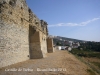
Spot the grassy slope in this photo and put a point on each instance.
(90, 54)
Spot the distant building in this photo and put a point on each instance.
(70, 43)
(60, 47)
(75, 45)
(68, 48)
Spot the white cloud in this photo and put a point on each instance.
(74, 24)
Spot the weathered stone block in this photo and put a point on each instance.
(50, 45)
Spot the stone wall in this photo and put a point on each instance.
(43, 44)
(14, 29)
(38, 47)
(35, 46)
(50, 48)
(22, 34)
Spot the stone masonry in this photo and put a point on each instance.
(50, 48)
(22, 35)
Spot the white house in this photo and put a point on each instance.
(68, 48)
(60, 47)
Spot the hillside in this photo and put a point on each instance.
(62, 39)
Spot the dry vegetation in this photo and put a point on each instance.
(90, 58)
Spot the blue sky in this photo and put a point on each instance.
(78, 19)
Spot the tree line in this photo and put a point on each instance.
(95, 46)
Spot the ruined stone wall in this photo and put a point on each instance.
(33, 20)
(35, 45)
(38, 45)
(38, 49)
(43, 43)
(22, 36)
(50, 48)
(14, 29)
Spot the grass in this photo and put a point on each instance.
(88, 53)
(91, 72)
(88, 64)
(97, 64)
(85, 53)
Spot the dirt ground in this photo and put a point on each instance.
(57, 63)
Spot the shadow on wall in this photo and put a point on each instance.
(34, 44)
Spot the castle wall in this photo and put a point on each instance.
(50, 45)
(43, 43)
(21, 34)
(38, 47)
(14, 46)
(14, 29)
(35, 45)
